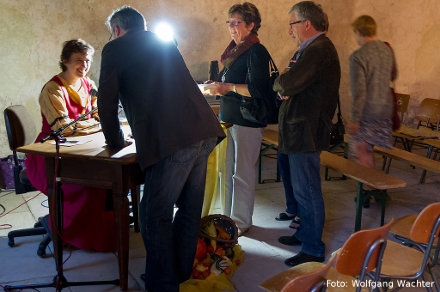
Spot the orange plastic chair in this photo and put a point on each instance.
(360, 255)
(305, 277)
(429, 113)
(406, 263)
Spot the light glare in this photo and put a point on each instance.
(164, 32)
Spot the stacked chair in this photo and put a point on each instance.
(360, 257)
(419, 249)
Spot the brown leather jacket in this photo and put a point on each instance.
(313, 87)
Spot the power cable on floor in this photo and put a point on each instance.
(8, 193)
(42, 204)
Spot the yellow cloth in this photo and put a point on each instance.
(79, 97)
(213, 283)
(215, 180)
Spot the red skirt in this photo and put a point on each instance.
(87, 224)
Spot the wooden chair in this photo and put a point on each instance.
(429, 113)
(406, 263)
(360, 256)
(402, 104)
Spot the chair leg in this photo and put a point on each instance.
(427, 287)
(387, 169)
(428, 155)
(383, 196)
(43, 245)
(437, 287)
(24, 232)
(359, 201)
(384, 162)
(326, 174)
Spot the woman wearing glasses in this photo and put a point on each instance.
(88, 222)
(235, 84)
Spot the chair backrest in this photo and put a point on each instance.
(354, 251)
(423, 226)
(19, 126)
(429, 111)
(402, 102)
(308, 281)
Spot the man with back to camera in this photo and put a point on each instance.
(175, 131)
(310, 90)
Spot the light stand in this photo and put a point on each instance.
(59, 281)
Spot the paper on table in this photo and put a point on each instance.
(205, 88)
(72, 141)
(126, 151)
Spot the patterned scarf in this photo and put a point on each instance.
(233, 51)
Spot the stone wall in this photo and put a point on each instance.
(32, 33)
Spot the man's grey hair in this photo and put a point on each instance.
(309, 10)
(127, 18)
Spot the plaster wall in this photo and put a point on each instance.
(32, 33)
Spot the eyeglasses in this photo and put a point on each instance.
(233, 22)
(298, 21)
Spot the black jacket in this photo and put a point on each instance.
(259, 83)
(162, 103)
(313, 86)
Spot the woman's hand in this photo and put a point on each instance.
(220, 88)
(353, 127)
(283, 97)
(128, 142)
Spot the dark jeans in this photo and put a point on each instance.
(284, 168)
(306, 184)
(170, 241)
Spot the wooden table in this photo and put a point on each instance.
(92, 164)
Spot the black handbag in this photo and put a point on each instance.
(337, 130)
(261, 110)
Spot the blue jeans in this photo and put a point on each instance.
(306, 184)
(284, 168)
(171, 241)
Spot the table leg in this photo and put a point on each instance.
(122, 227)
(135, 201)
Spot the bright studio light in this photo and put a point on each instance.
(164, 31)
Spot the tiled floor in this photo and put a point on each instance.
(263, 255)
